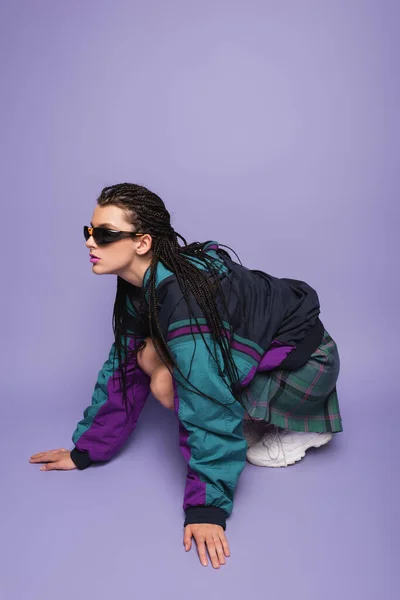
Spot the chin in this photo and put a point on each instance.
(98, 270)
(95, 269)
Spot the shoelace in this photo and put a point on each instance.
(273, 443)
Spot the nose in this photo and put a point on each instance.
(90, 243)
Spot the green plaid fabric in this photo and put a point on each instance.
(302, 400)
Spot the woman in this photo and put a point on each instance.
(240, 356)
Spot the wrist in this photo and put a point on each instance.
(81, 459)
(206, 514)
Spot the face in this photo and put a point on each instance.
(129, 257)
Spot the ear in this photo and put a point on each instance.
(145, 244)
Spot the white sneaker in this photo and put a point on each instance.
(280, 448)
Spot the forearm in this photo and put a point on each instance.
(108, 422)
(112, 423)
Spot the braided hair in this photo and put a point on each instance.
(148, 214)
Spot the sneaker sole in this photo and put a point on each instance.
(323, 439)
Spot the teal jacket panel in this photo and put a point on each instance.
(210, 429)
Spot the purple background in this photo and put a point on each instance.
(272, 127)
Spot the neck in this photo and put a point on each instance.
(135, 273)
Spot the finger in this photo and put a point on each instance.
(51, 466)
(219, 550)
(48, 452)
(39, 459)
(201, 548)
(213, 553)
(45, 458)
(187, 538)
(225, 544)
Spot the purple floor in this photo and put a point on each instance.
(321, 528)
(271, 127)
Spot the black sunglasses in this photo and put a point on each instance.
(101, 235)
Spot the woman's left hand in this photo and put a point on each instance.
(56, 459)
(212, 536)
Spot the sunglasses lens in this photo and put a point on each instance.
(101, 235)
(96, 233)
(107, 237)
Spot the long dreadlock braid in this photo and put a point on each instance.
(148, 214)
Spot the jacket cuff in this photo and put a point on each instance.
(205, 514)
(81, 458)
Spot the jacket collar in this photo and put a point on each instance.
(163, 272)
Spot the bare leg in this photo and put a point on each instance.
(161, 379)
(161, 386)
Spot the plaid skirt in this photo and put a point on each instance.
(301, 400)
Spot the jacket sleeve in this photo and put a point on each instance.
(106, 426)
(210, 434)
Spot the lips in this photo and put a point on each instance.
(93, 256)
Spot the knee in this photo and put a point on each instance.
(148, 359)
(161, 386)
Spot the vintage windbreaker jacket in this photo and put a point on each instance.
(275, 325)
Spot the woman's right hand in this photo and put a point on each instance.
(55, 459)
